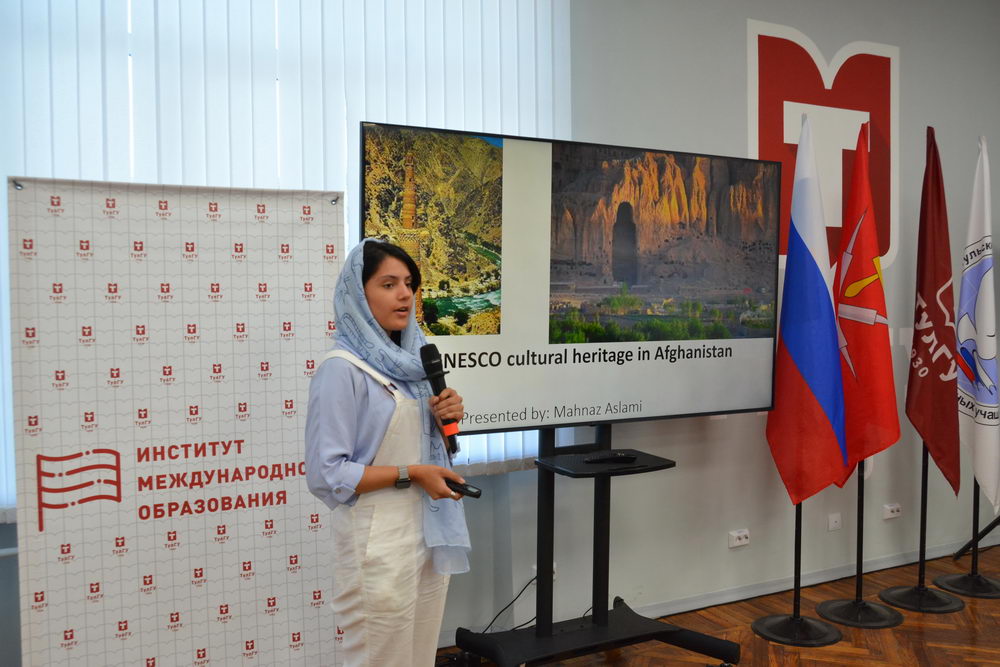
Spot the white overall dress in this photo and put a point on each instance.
(387, 601)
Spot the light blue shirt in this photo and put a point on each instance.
(349, 412)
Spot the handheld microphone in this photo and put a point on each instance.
(430, 357)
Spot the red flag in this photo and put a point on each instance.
(871, 422)
(932, 389)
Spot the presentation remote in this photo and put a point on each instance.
(464, 489)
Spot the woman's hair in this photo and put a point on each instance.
(376, 251)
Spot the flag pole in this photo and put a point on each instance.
(794, 629)
(860, 613)
(976, 538)
(919, 597)
(972, 584)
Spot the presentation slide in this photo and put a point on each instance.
(569, 283)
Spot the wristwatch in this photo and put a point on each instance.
(403, 480)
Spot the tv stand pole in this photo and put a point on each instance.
(606, 629)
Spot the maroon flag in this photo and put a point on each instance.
(932, 388)
(67, 481)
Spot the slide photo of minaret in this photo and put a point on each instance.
(653, 245)
(438, 195)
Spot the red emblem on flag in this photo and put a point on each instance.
(32, 420)
(310, 364)
(272, 602)
(223, 609)
(88, 416)
(314, 518)
(289, 403)
(67, 634)
(296, 636)
(330, 248)
(214, 288)
(307, 287)
(65, 549)
(220, 529)
(268, 524)
(249, 644)
(317, 595)
(241, 407)
(29, 332)
(175, 616)
(67, 481)
(39, 596)
(265, 366)
(201, 653)
(119, 542)
(142, 413)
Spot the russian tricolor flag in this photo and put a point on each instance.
(806, 428)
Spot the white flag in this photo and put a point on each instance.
(978, 400)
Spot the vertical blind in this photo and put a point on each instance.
(263, 94)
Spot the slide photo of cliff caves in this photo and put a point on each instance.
(651, 245)
(438, 195)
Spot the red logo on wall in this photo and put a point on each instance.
(150, 662)
(285, 248)
(119, 542)
(95, 587)
(122, 626)
(110, 203)
(29, 332)
(57, 288)
(238, 248)
(199, 572)
(201, 653)
(317, 595)
(164, 288)
(223, 609)
(216, 368)
(261, 208)
(293, 559)
(215, 288)
(307, 287)
(213, 207)
(307, 210)
(147, 580)
(249, 644)
(27, 244)
(189, 246)
(39, 596)
(241, 327)
(193, 410)
(296, 636)
(60, 375)
(240, 407)
(32, 420)
(137, 246)
(171, 536)
(792, 78)
(164, 205)
(220, 529)
(115, 372)
(272, 602)
(67, 634)
(168, 371)
(88, 416)
(65, 549)
(310, 364)
(314, 518)
(140, 330)
(175, 617)
(247, 566)
(84, 244)
(265, 366)
(286, 326)
(55, 200)
(268, 524)
(86, 331)
(192, 328)
(261, 288)
(289, 403)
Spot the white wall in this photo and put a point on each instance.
(672, 74)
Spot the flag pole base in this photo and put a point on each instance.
(922, 599)
(859, 613)
(971, 585)
(796, 630)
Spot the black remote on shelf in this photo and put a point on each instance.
(610, 456)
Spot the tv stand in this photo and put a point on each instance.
(606, 629)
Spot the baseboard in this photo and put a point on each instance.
(670, 607)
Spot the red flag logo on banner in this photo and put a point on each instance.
(68, 481)
(932, 388)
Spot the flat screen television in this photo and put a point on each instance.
(570, 283)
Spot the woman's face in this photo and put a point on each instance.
(389, 295)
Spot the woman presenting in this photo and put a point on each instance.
(376, 456)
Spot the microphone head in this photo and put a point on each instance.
(430, 358)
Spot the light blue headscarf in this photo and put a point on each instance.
(445, 530)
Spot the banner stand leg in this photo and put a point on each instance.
(972, 584)
(976, 538)
(919, 597)
(795, 629)
(860, 613)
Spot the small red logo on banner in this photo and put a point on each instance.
(241, 327)
(261, 288)
(261, 208)
(286, 248)
(215, 288)
(310, 364)
(293, 559)
(247, 566)
(140, 330)
(223, 609)
(27, 244)
(110, 203)
(55, 200)
(193, 410)
(119, 542)
(238, 248)
(249, 644)
(68, 635)
(65, 549)
(199, 572)
(213, 207)
(289, 403)
(216, 368)
(88, 416)
(137, 246)
(268, 524)
(307, 210)
(60, 375)
(265, 366)
(29, 332)
(307, 287)
(220, 529)
(164, 205)
(168, 371)
(115, 372)
(175, 616)
(171, 536)
(241, 407)
(272, 602)
(296, 636)
(112, 288)
(86, 331)
(317, 595)
(286, 326)
(192, 328)
(39, 596)
(189, 246)
(95, 587)
(57, 288)
(32, 420)
(84, 244)
(314, 518)
(147, 580)
(164, 288)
